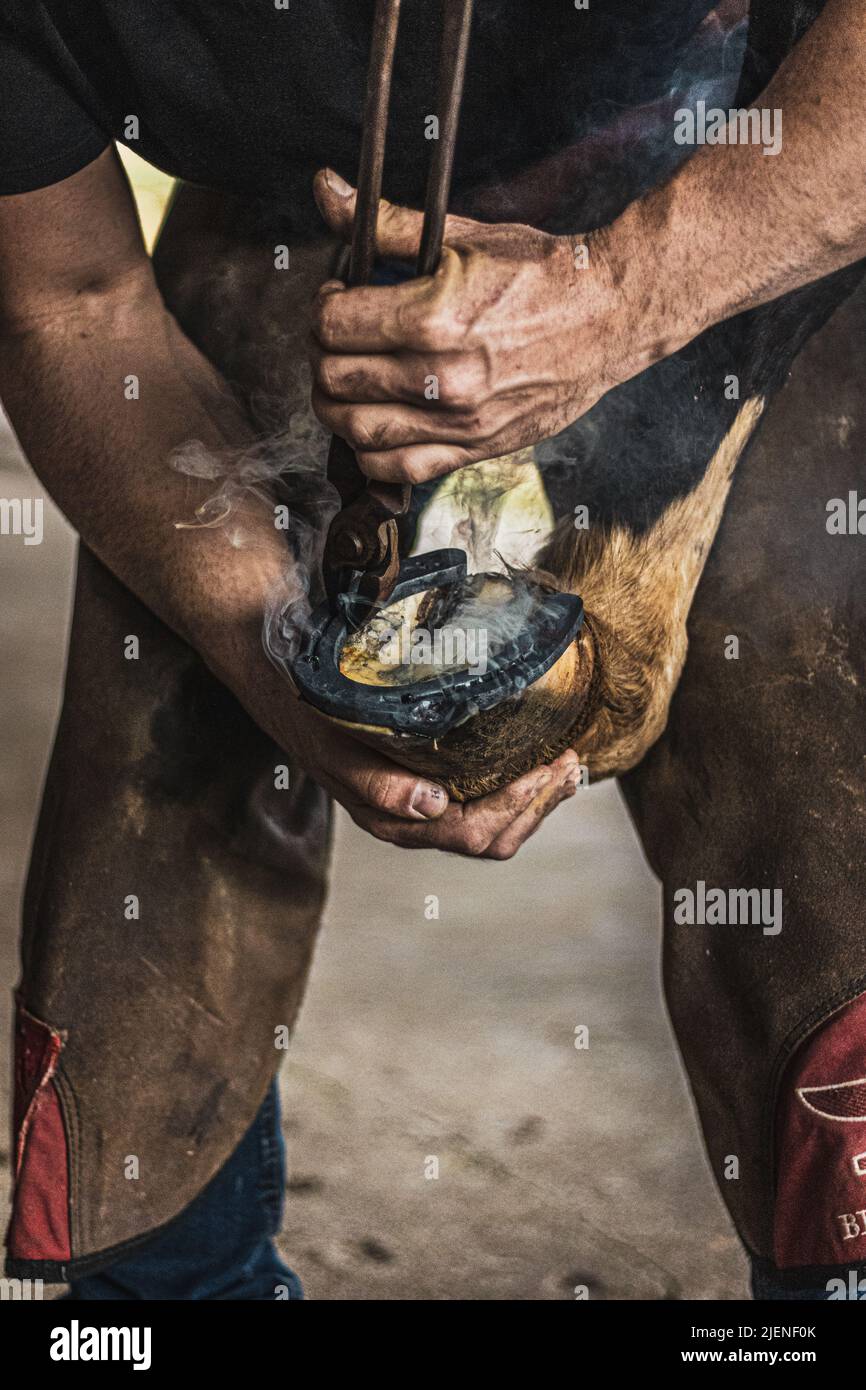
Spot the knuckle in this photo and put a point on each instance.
(323, 320)
(412, 469)
(371, 434)
(424, 339)
(457, 389)
(323, 406)
(502, 853)
(361, 433)
(317, 311)
(448, 390)
(432, 327)
(475, 841)
(327, 376)
(465, 402)
(375, 467)
(391, 466)
(441, 329)
(380, 790)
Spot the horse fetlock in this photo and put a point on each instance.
(637, 591)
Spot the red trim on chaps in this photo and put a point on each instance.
(39, 1228)
(820, 1215)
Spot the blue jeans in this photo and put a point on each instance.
(222, 1246)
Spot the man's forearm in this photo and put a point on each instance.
(105, 458)
(736, 228)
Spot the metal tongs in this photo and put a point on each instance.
(361, 561)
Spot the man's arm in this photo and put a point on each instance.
(736, 228)
(523, 340)
(80, 312)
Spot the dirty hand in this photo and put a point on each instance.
(509, 342)
(400, 807)
(406, 809)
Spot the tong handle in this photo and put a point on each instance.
(376, 103)
(343, 471)
(452, 71)
(366, 528)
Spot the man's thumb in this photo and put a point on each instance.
(398, 230)
(336, 202)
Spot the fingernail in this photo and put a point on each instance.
(429, 800)
(339, 186)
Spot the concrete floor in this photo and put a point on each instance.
(450, 1039)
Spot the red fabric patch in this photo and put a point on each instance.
(39, 1228)
(820, 1215)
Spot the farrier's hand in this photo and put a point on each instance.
(406, 809)
(517, 339)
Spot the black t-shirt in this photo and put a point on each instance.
(252, 98)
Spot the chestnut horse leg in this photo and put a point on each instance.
(637, 590)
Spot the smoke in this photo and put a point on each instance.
(644, 68)
(284, 467)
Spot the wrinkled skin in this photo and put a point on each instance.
(515, 333)
(509, 325)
